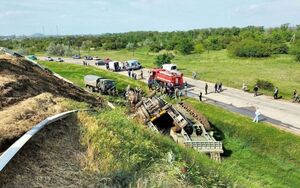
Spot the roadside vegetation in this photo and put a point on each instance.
(256, 155)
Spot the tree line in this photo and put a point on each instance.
(248, 41)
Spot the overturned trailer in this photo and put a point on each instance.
(180, 122)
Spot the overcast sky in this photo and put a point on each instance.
(102, 16)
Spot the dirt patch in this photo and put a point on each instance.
(30, 80)
(18, 119)
(51, 159)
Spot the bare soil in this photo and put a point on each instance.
(20, 79)
(52, 158)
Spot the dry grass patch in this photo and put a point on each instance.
(18, 119)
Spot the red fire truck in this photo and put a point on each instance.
(165, 76)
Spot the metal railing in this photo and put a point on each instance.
(15, 147)
(205, 146)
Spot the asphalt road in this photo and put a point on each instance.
(283, 114)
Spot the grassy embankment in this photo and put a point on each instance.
(281, 70)
(257, 154)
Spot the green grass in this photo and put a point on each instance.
(76, 73)
(261, 155)
(281, 70)
(124, 151)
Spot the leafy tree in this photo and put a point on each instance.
(295, 50)
(163, 59)
(249, 48)
(87, 45)
(199, 48)
(185, 46)
(155, 47)
(131, 47)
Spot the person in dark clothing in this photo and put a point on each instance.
(255, 89)
(216, 87)
(107, 66)
(200, 96)
(129, 73)
(206, 88)
(220, 87)
(276, 93)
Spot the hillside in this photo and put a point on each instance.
(29, 94)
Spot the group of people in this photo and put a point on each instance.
(85, 63)
(218, 87)
(134, 75)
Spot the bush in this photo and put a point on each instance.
(249, 48)
(163, 59)
(185, 47)
(199, 48)
(264, 84)
(279, 48)
(295, 50)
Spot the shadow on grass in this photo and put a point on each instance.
(220, 136)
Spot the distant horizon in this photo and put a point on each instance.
(96, 17)
(184, 30)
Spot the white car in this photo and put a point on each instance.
(49, 59)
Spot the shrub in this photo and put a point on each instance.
(163, 59)
(199, 48)
(264, 84)
(249, 48)
(185, 46)
(295, 50)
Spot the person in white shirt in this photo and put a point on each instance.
(257, 116)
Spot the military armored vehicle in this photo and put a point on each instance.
(181, 122)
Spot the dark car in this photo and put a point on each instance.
(88, 57)
(99, 62)
(59, 60)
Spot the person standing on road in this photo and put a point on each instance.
(206, 88)
(257, 116)
(142, 74)
(276, 93)
(216, 87)
(194, 75)
(200, 96)
(255, 89)
(294, 93)
(129, 73)
(220, 87)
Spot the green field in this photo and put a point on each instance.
(257, 155)
(281, 70)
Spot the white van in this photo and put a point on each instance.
(114, 66)
(170, 67)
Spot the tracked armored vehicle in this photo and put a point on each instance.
(181, 122)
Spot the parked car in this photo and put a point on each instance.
(32, 57)
(133, 65)
(115, 66)
(99, 62)
(49, 59)
(76, 57)
(88, 57)
(59, 60)
(96, 58)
